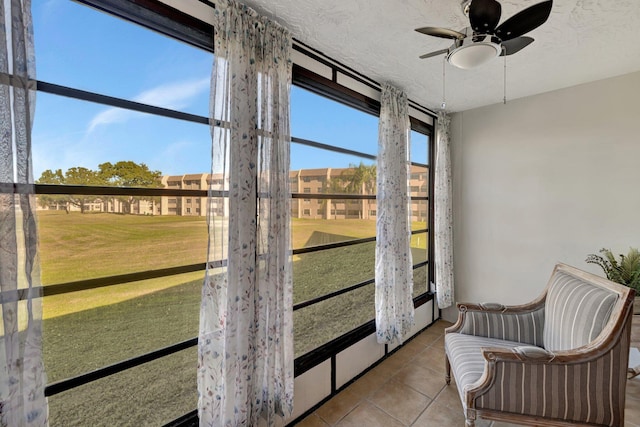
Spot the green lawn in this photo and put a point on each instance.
(304, 229)
(90, 329)
(78, 246)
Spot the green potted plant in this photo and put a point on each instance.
(625, 271)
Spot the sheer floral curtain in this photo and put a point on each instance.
(22, 380)
(245, 373)
(443, 215)
(394, 265)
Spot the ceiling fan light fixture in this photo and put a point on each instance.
(473, 54)
(484, 40)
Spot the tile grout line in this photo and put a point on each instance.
(393, 374)
(386, 413)
(423, 411)
(391, 378)
(345, 415)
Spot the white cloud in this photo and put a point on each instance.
(108, 116)
(174, 96)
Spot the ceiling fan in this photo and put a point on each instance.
(485, 39)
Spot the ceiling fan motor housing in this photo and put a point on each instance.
(474, 50)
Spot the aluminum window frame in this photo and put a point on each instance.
(159, 17)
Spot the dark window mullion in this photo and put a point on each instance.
(73, 382)
(339, 292)
(118, 102)
(335, 149)
(335, 196)
(100, 282)
(86, 190)
(83, 285)
(333, 294)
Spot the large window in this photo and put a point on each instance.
(334, 262)
(122, 271)
(419, 187)
(343, 196)
(121, 148)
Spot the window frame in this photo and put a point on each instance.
(162, 18)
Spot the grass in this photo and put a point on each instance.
(90, 329)
(304, 229)
(148, 395)
(74, 302)
(151, 394)
(89, 339)
(78, 246)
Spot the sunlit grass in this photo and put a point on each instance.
(86, 330)
(85, 246)
(303, 228)
(72, 302)
(79, 246)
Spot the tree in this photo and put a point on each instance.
(51, 177)
(333, 185)
(360, 179)
(82, 176)
(120, 174)
(73, 176)
(130, 174)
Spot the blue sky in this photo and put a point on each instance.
(85, 49)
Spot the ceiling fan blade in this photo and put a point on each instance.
(436, 53)
(444, 33)
(524, 21)
(484, 15)
(515, 45)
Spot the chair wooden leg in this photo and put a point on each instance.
(447, 366)
(470, 418)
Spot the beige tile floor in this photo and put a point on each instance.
(408, 389)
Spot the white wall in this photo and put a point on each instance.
(543, 179)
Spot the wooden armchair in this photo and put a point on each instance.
(559, 361)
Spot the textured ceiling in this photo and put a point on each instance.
(583, 40)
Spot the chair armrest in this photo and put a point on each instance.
(519, 323)
(524, 354)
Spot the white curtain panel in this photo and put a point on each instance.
(22, 380)
(443, 215)
(245, 372)
(394, 265)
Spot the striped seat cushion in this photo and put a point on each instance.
(575, 312)
(466, 358)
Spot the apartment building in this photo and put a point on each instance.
(184, 206)
(311, 182)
